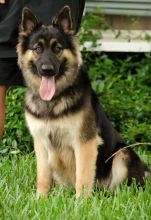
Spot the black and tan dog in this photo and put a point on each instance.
(72, 135)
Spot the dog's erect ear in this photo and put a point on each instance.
(64, 21)
(29, 21)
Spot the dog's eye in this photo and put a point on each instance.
(56, 49)
(38, 49)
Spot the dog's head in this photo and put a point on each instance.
(48, 55)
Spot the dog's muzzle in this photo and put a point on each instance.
(47, 70)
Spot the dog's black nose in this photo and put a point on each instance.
(47, 69)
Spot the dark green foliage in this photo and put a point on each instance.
(16, 136)
(91, 28)
(123, 84)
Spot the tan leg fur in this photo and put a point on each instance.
(86, 156)
(44, 173)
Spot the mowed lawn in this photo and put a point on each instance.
(18, 200)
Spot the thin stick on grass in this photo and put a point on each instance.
(132, 145)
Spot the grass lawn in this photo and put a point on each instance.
(18, 201)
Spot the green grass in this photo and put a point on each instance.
(18, 200)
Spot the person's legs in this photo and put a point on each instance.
(2, 109)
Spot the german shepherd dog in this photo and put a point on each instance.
(72, 136)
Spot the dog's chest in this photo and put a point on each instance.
(59, 133)
(58, 138)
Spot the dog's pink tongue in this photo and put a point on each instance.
(47, 88)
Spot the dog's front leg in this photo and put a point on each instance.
(44, 172)
(86, 155)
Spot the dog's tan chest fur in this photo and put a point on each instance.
(58, 139)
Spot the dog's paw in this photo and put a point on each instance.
(83, 193)
(41, 195)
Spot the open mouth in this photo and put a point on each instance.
(47, 88)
